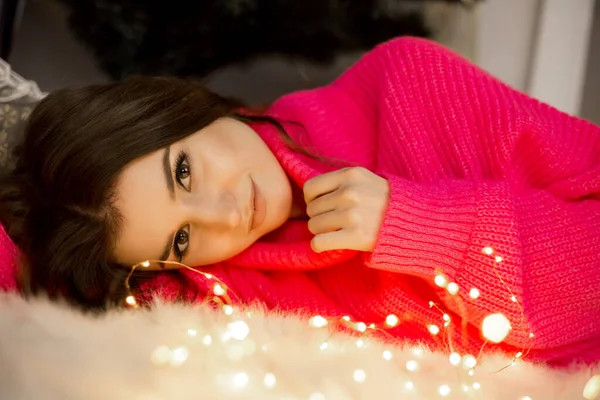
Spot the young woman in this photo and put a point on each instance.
(344, 200)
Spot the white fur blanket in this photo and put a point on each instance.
(173, 352)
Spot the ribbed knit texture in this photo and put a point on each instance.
(472, 163)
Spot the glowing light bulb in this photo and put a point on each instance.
(417, 351)
(318, 322)
(192, 332)
(241, 379)
(488, 251)
(161, 355)
(525, 398)
(360, 343)
(513, 299)
(433, 329)
(409, 385)
(270, 380)
(474, 293)
(208, 276)
(469, 362)
(227, 309)
(495, 328)
(392, 320)
(455, 359)
(238, 330)
(446, 317)
(361, 326)
(440, 280)
(323, 346)
(387, 355)
(471, 372)
(145, 264)
(592, 388)
(452, 288)
(444, 390)
(207, 340)
(130, 300)
(412, 365)
(218, 290)
(178, 356)
(360, 376)
(346, 318)
(476, 386)
(498, 259)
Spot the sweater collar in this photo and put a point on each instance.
(289, 247)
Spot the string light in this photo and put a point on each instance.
(318, 322)
(591, 390)
(239, 330)
(434, 329)
(455, 359)
(469, 362)
(495, 328)
(270, 380)
(241, 379)
(412, 365)
(452, 288)
(391, 320)
(444, 390)
(360, 376)
(441, 281)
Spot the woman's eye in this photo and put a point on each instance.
(182, 239)
(183, 172)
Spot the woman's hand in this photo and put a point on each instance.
(346, 209)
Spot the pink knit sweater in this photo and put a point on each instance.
(472, 164)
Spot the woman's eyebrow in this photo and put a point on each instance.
(166, 162)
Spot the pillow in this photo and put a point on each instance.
(17, 98)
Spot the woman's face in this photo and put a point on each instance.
(203, 199)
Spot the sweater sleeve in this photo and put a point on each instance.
(475, 165)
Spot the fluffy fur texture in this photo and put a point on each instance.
(196, 38)
(51, 352)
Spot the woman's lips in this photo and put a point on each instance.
(258, 207)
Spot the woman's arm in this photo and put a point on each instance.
(474, 164)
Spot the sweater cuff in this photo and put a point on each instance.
(427, 227)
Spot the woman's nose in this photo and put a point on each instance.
(214, 212)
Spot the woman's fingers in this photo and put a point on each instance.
(340, 199)
(338, 240)
(327, 222)
(323, 184)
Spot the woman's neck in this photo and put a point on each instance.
(298, 204)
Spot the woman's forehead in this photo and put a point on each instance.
(143, 201)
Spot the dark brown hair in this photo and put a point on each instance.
(57, 205)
